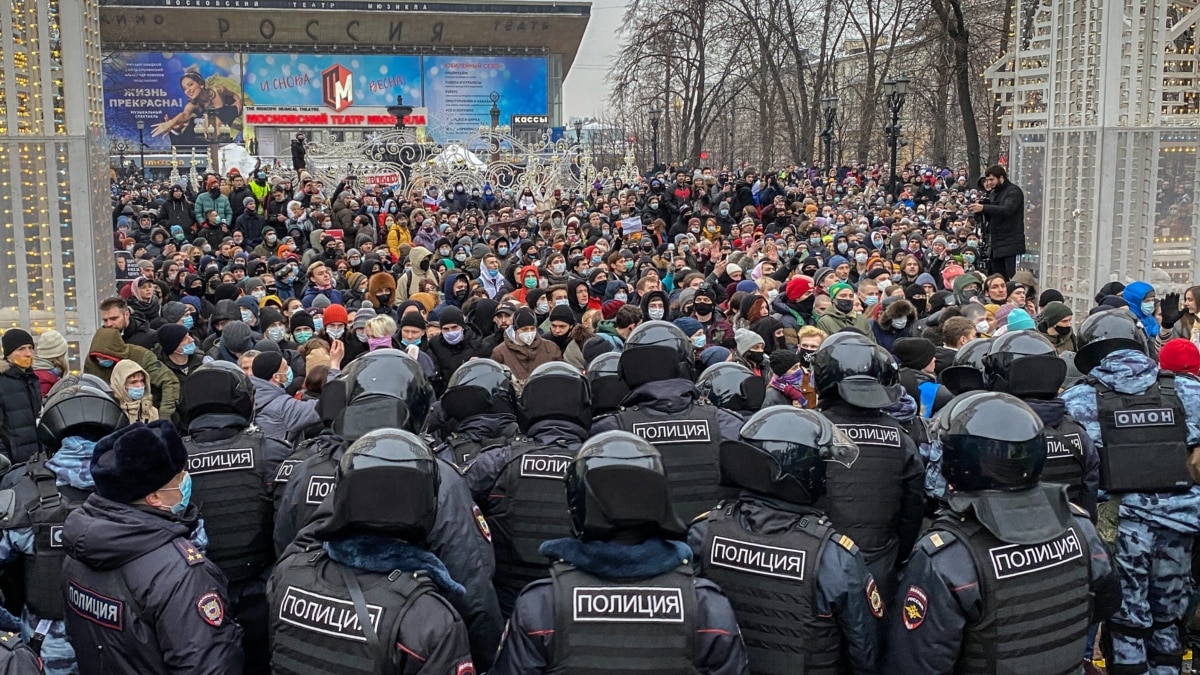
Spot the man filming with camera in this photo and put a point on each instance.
(1003, 215)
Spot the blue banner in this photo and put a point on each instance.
(457, 90)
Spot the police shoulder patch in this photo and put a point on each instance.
(845, 542)
(191, 555)
(484, 529)
(211, 609)
(915, 607)
(934, 542)
(464, 668)
(874, 600)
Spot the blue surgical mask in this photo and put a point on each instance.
(900, 323)
(502, 251)
(136, 393)
(870, 300)
(189, 322)
(247, 316)
(493, 273)
(700, 341)
(290, 376)
(543, 308)
(337, 333)
(276, 333)
(189, 349)
(318, 323)
(1148, 307)
(185, 495)
(410, 343)
(620, 296)
(106, 363)
(558, 303)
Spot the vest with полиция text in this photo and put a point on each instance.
(689, 442)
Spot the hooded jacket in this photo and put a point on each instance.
(280, 416)
(420, 260)
(834, 320)
(522, 290)
(108, 344)
(20, 405)
(142, 410)
(885, 334)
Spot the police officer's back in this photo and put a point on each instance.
(45, 490)
(801, 591)
(480, 406)
(1009, 577)
(607, 388)
(387, 389)
(878, 501)
(233, 466)
(665, 408)
(732, 387)
(142, 598)
(365, 597)
(622, 597)
(520, 486)
(1025, 364)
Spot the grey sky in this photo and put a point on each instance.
(585, 93)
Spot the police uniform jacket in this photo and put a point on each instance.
(845, 590)
(140, 597)
(671, 397)
(16, 658)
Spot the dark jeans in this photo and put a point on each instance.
(1006, 266)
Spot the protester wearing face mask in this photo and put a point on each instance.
(130, 386)
(280, 416)
(458, 342)
(334, 320)
(20, 396)
(132, 544)
(843, 313)
(523, 349)
(1055, 324)
(717, 329)
(751, 352)
(898, 319)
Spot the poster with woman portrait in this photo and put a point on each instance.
(182, 100)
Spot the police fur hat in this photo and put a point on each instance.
(132, 462)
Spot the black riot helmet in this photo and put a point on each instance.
(990, 441)
(83, 380)
(1106, 332)
(217, 388)
(656, 350)
(383, 389)
(618, 483)
(608, 390)
(857, 371)
(387, 484)
(1025, 365)
(78, 410)
(557, 391)
(782, 454)
(479, 387)
(967, 372)
(733, 387)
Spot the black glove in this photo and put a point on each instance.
(1169, 307)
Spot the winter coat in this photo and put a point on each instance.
(522, 358)
(142, 410)
(448, 357)
(280, 416)
(20, 405)
(206, 202)
(108, 344)
(834, 320)
(1006, 220)
(410, 281)
(397, 234)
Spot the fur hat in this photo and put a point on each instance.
(137, 460)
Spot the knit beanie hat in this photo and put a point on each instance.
(797, 287)
(1179, 355)
(452, 316)
(713, 355)
(1054, 312)
(595, 346)
(609, 309)
(137, 460)
(838, 287)
(688, 325)
(269, 316)
(301, 320)
(746, 339)
(1019, 319)
(321, 303)
(336, 314)
(13, 339)
(915, 353)
(237, 337)
(170, 336)
(363, 315)
(524, 318)
(562, 313)
(782, 361)
(266, 365)
(1048, 296)
(172, 312)
(412, 320)
(50, 345)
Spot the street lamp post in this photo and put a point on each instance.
(579, 133)
(141, 127)
(655, 118)
(896, 91)
(829, 109)
(494, 97)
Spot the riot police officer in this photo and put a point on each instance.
(140, 597)
(1143, 422)
(879, 500)
(480, 407)
(607, 388)
(1026, 365)
(801, 591)
(665, 408)
(232, 465)
(387, 389)
(621, 595)
(519, 486)
(967, 372)
(44, 491)
(732, 387)
(365, 596)
(16, 657)
(1001, 580)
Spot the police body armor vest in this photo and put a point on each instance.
(689, 443)
(626, 627)
(862, 500)
(317, 473)
(48, 506)
(1064, 457)
(316, 623)
(535, 511)
(1037, 603)
(303, 451)
(771, 581)
(1145, 438)
(231, 491)
(460, 449)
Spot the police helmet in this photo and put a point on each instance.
(1024, 364)
(217, 388)
(618, 482)
(990, 441)
(733, 387)
(479, 387)
(656, 350)
(782, 454)
(78, 410)
(387, 484)
(858, 371)
(967, 372)
(385, 388)
(83, 380)
(608, 390)
(557, 391)
(1106, 332)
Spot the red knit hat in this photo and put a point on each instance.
(336, 314)
(609, 309)
(797, 287)
(1180, 356)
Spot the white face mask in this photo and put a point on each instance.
(656, 313)
(982, 326)
(527, 337)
